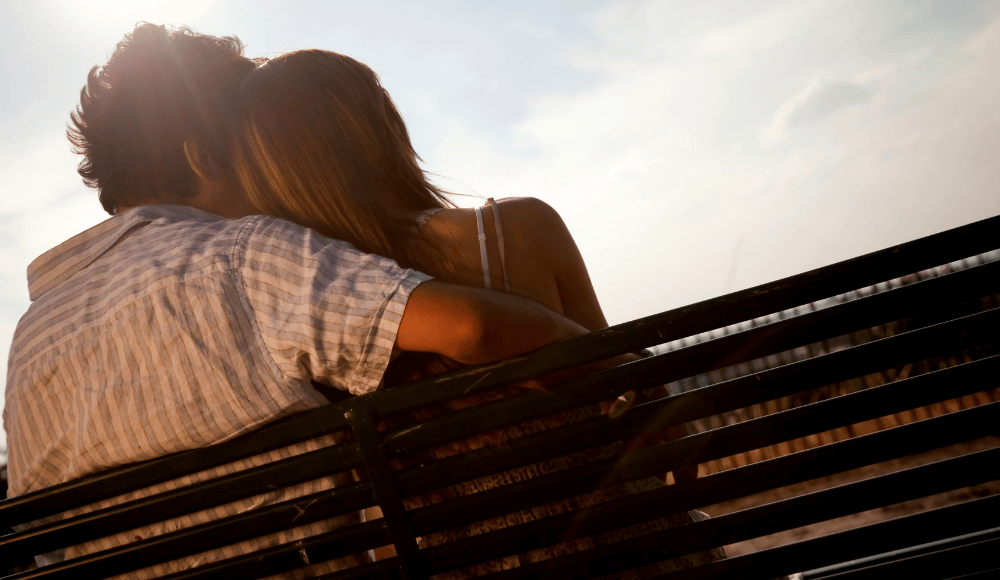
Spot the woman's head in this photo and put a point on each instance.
(318, 141)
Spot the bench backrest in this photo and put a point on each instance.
(946, 330)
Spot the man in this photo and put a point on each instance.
(169, 327)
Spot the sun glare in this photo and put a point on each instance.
(156, 11)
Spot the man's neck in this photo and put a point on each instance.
(230, 207)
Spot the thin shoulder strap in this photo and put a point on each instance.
(499, 227)
(482, 248)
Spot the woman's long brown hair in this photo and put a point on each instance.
(317, 140)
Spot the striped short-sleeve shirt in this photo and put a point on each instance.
(166, 328)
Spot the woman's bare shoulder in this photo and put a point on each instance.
(529, 209)
(529, 225)
(450, 223)
(521, 206)
(535, 223)
(541, 234)
(525, 214)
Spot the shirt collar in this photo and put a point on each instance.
(70, 257)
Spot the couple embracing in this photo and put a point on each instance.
(271, 233)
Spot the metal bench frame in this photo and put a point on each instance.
(959, 539)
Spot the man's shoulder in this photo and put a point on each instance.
(266, 229)
(277, 258)
(88, 279)
(177, 240)
(267, 239)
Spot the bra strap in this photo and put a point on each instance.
(482, 248)
(499, 228)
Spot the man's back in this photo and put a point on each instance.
(167, 328)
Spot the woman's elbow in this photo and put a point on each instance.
(492, 332)
(469, 338)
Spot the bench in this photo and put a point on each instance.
(956, 540)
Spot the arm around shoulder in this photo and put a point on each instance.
(476, 326)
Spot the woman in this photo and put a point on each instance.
(318, 141)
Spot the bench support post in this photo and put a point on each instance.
(363, 421)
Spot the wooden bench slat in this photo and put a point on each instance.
(692, 449)
(951, 558)
(728, 485)
(87, 490)
(184, 500)
(894, 534)
(932, 295)
(333, 544)
(703, 402)
(773, 517)
(219, 533)
(842, 500)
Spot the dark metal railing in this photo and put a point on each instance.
(945, 334)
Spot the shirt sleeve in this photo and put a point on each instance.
(325, 311)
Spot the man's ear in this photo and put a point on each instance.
(200, 161)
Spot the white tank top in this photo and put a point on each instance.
(482, 244)
(424, 216)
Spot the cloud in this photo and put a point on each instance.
(156, 11)
(818, 99)
(676, 153)
(761, 31)
(828, 98)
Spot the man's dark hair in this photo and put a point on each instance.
(160, 87)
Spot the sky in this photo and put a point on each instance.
(693, 148)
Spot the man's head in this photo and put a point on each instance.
(161, 88)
